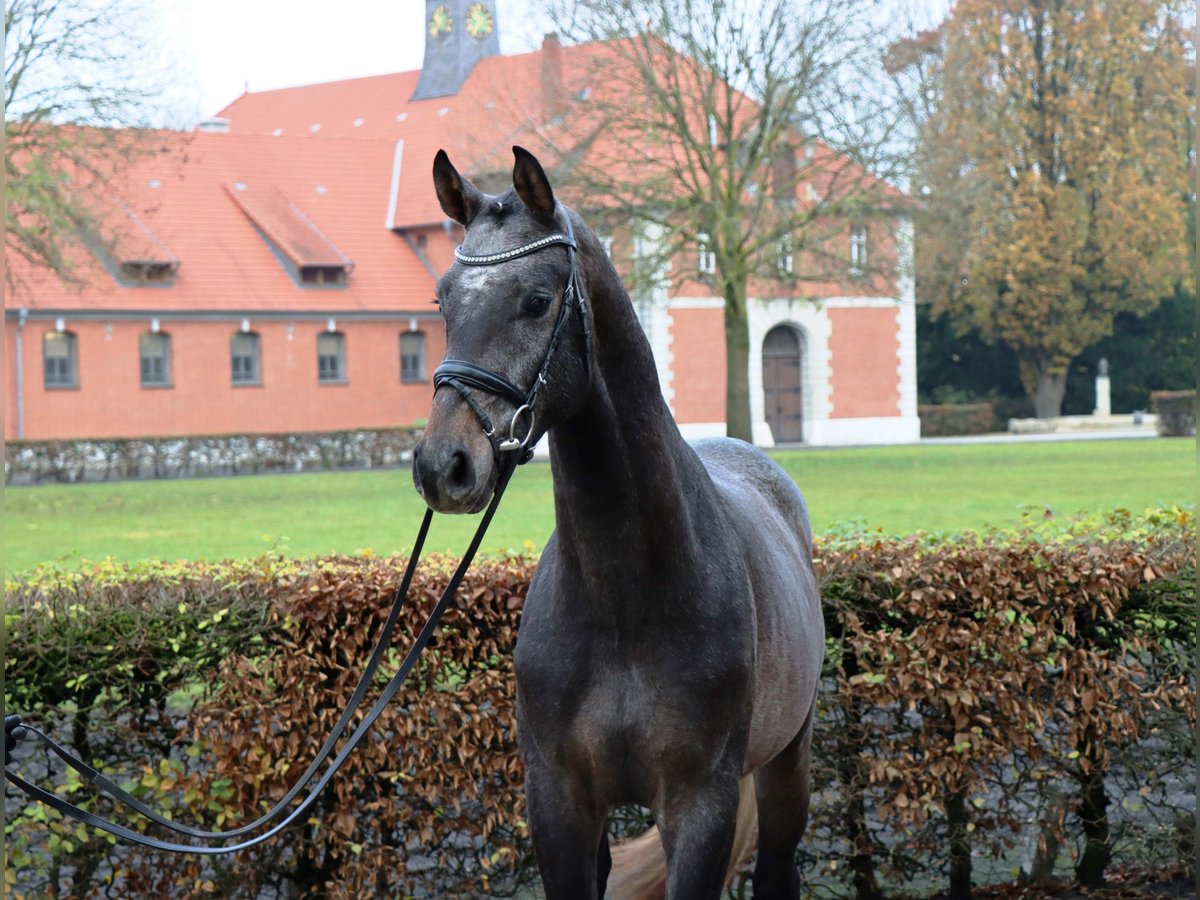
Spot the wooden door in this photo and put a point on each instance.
(782, 384)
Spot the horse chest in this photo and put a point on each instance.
(626, 718)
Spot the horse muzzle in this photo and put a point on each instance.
(452, 479)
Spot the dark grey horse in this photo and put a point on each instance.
(671, 642)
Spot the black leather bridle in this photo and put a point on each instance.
(462, 376)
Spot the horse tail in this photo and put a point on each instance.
(639, 866)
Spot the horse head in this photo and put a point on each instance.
(517, 339)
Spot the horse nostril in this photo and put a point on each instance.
(460, 474)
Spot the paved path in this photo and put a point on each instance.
(1004, 437)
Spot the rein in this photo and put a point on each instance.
(15, 729)
(463, 377)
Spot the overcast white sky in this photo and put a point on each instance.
(216, 48)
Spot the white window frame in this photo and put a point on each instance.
(858, 248)
(785, 260)
(706, 260)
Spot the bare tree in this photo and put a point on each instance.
(745, 136)
(81, 85)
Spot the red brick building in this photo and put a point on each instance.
(274, 271)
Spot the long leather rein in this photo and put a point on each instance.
(463, 377)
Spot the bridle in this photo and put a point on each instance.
(462, 376)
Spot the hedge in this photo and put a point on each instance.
(115, 459)
(947, 419)
(990, 701)
(1176, 411)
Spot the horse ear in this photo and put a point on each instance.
(533, 187)
(460, 199)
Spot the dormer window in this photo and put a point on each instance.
(323, 276)
(146, 272)
(306, 254)
(127, 246)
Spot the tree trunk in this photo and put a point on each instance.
(853, 778)
(957, 819)
(1093, 815)
(737, 364)
(1049, 388)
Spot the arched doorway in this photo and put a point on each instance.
(783, 394)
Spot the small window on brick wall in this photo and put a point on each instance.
(331, 357)
(154, 350)
(858, 249)
(412, 356)
(706, 262)
(58, 353)
(244, 358)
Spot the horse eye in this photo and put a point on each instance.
(536, 305)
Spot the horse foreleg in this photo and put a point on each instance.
(697, 827)
(568, 839)
(782, 787)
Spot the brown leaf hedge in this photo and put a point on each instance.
(971, 685)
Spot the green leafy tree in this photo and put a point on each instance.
(1054, 172)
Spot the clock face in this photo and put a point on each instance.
(440, 23)
(479, 21)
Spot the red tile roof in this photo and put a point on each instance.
(321, 201)
(505, 100)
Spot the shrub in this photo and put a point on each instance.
(957, 418)
(117, 459)
(971, 685)
(1176, 411)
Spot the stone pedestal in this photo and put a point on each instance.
(1103, 402)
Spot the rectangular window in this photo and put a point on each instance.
(785, 260)
(323, 276)
(135, 273)
(412, 356)
(244, 358)
(706, 262)
(331, 357)
(606, 242)
(155, 354)
(858, 249)
(58, 354)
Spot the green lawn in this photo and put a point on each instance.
(898, 489)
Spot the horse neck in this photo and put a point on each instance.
(621, 468)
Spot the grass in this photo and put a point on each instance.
(899, 490)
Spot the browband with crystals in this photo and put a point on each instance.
(493, 258)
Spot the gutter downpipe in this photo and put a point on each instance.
(22, 314)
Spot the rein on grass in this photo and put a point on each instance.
(15, 729)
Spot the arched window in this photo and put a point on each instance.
(154, 350)
(331, 357)
(244, 358)
(58, 354)
(412, 356)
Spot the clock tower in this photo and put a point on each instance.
(458, 34)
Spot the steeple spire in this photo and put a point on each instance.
(458, 34)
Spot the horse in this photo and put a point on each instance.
(671, 641)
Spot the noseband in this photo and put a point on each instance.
(463, 376)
